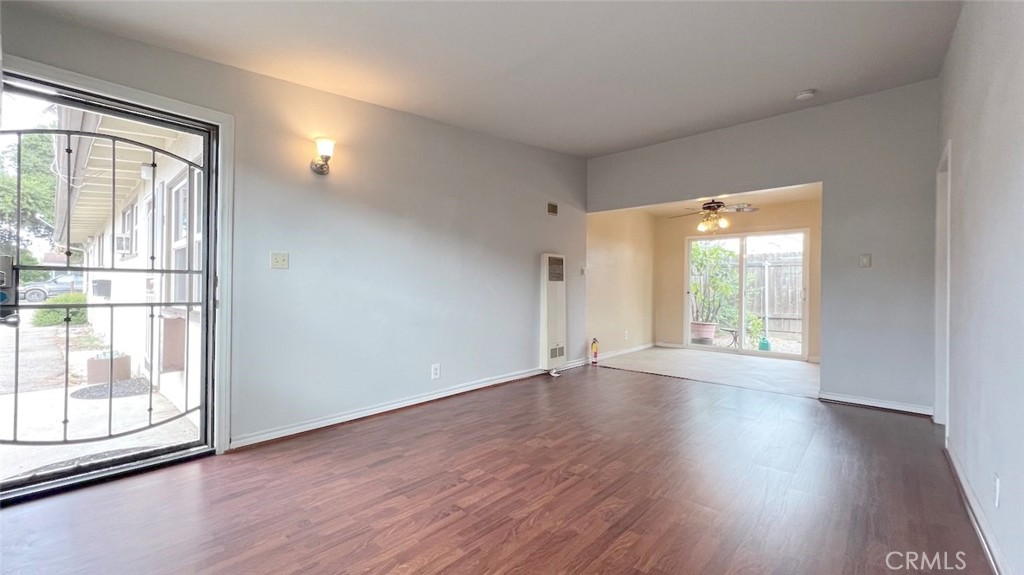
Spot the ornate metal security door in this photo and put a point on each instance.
(106, 343)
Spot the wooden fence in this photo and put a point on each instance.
(784, 298)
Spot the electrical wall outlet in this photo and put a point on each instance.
(435, 371)
(865, 260)
(997, 492)
(279, 260)
(625, 335)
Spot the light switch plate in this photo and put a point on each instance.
(279, 260)
(865, 260)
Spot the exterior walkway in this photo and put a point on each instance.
(40, 407)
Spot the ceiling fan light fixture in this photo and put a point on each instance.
(711, 222)
(712, 214)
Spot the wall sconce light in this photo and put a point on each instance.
(324, 151)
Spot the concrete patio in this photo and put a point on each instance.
(91, 412)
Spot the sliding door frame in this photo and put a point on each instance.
(805, 303)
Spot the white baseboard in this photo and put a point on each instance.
(814, 359)
(994, 555)
(669, 344)
(573, 364)
(619, 352)
(309, 425)
(872, 402)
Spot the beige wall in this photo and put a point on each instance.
(670, 251)
(620, 276)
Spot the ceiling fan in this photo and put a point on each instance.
(711, 214)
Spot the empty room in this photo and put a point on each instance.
(511, 287)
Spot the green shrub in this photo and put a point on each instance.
(55, 316)
(755, 329)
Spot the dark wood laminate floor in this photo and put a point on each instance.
(598, 471)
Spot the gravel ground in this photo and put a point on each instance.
(122, 388)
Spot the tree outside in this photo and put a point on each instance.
(38, 184)
(38, 187)
(714, 289)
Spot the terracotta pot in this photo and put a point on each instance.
(702, 332)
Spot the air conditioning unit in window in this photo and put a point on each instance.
(123, 244)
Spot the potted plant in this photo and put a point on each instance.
(98, 368)
(714, 286)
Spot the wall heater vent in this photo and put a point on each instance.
(552, 312)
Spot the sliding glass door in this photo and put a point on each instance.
(715, 294)
(747, 293)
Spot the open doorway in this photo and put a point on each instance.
(754, 274)
(107, 242)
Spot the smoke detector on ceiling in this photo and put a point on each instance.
(806, 95)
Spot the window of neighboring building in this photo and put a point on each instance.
(129, 230)
(198, 210)
(180, 211)
(179, 246)
(180, 280)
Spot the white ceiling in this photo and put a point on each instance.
(577, 77)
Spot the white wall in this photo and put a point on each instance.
(983, 115)
(876, 157)
(620, 278)
(422, 246)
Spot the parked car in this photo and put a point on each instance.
(57, 285)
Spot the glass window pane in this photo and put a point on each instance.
(714, 292)
(774, 299)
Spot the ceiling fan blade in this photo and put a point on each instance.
(685, 215)
(739, 208)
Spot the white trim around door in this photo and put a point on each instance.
(943, 233)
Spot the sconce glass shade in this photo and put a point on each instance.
(324, 151)
(324, 147)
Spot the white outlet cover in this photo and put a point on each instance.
(279, 260)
